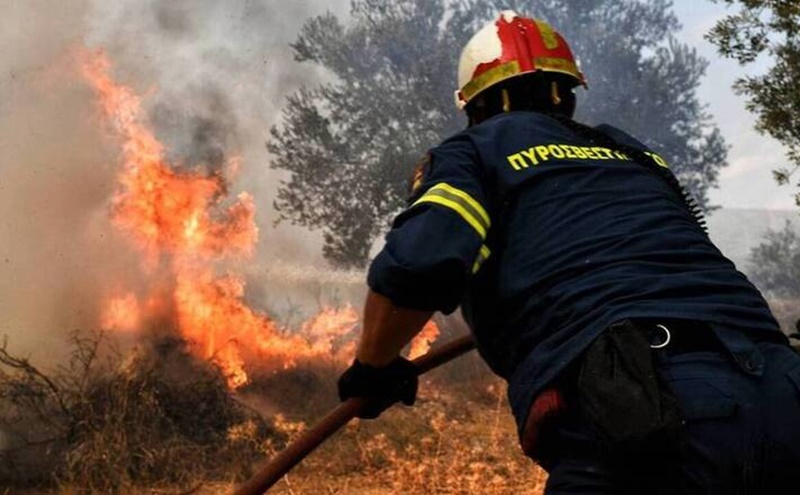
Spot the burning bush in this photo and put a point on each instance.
(160, 418)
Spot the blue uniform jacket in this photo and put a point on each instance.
(544, 239)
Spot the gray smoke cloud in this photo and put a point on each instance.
(220, 72)
(215, 76)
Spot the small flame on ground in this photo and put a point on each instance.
(422, 342)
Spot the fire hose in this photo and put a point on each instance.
(299, 449)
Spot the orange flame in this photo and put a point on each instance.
(184, 224)
(122, 313)
(165, 211)
(328, 326)
(422, 342)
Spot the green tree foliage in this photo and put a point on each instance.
(769, 28)
(775, 264)
(349, 145)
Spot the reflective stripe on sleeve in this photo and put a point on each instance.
(460, 202)
(483, 255)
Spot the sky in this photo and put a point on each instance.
(747, 182)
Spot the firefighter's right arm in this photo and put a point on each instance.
(439, 241)
(430, 254)
(379, 372)
(387, 329)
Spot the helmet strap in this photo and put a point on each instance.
(506, 100)
(536, 92)
(554, 96)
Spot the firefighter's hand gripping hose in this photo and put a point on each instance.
(353, 407)
(381, 386)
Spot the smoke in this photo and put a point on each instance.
(220, 73)
(215, 75)
(53, 175)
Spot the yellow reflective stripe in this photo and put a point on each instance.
(548, 35)
(490, 78)
(513, 68)
(460, 202)
(458, 208)
(483, 255)
(466, 197)
(555, 64)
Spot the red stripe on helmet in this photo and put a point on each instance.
(522, 41)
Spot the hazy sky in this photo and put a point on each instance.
(747, 182)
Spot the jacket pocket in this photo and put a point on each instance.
(705, 385)
(702, 399)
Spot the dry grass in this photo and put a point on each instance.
(159, 419)
(162, 422)
(459, 438)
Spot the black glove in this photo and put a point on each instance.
(383, 386)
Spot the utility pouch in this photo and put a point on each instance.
(622, 396)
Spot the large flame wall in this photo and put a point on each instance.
(187, 227)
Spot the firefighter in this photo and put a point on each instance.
(638, 359)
